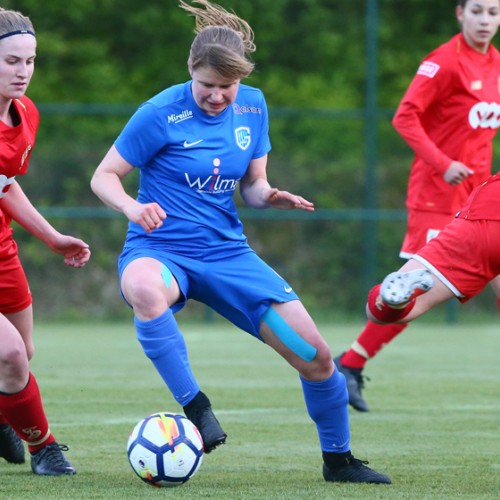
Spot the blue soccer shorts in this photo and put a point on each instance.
(232, 280)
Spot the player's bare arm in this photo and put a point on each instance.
(76, 252)
(258, 193)
(107, 184)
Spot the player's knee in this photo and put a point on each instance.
(321, 367)
(146, 300)
(13, 361)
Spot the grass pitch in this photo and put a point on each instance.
(433, 426)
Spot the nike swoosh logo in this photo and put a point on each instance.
(189, 144)
(288, 289)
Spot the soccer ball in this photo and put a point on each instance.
(165, 449)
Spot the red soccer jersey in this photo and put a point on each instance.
(484, 202)
(16, 144)
(450, 112)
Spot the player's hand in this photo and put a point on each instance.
(75, 251)
(288, 201)
(149, 216)
(456, 173)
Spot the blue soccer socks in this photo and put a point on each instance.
(326, 402)
(164, 345)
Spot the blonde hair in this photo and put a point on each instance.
(222, 41)
(12, 21)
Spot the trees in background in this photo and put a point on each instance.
(99, 59)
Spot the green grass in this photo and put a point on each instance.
(433, 425)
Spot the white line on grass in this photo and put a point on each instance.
(286, 415)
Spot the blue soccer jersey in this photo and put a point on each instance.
(190, 164)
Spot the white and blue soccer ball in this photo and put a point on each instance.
(165, 449)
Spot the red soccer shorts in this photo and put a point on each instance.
(420, 229)
(466, 253)
(15, 294)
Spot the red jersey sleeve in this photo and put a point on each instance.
(432, 83)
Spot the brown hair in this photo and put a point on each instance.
(222, 41)
(12, 21)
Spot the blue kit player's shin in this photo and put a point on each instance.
(326, 402)
(164, 345)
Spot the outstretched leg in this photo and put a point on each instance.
(293, 334)
(406, 294)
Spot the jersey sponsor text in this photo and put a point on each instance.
(485, 115)
(428, 68)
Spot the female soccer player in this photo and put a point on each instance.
(21, 411)
(448, 116)
(459, 262)
(193, 144)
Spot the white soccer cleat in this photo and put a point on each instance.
(399, 288)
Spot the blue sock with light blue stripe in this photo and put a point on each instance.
(164, 345)
(327, 404)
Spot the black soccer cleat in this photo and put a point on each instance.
(354, 471)
(50, 461)
(209, 427)
(11, 445)
(355, 383)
